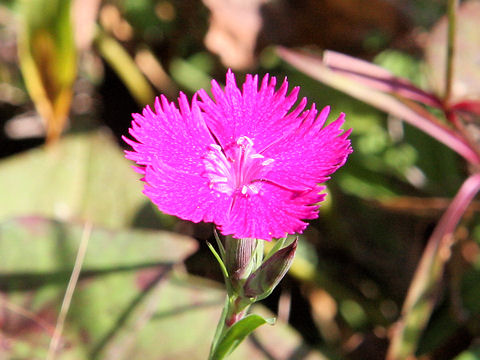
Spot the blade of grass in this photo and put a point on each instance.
(123, 64)
(420, 298)
(72, 283)
(154, 71)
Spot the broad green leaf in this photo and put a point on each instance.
(48, 59)
(132, 300)
(237, 333)
(119, 270)
(49, 246)
(83, 176)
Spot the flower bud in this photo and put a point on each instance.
(239, 254)
(262, 282)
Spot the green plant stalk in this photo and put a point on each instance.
(236, 305)
(220, 330)
(235, 309)
(452, 24)
(237, 333)
(238, 259)
(46, 44)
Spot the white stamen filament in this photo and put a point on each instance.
(235, 168)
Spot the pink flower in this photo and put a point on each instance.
(242, 160)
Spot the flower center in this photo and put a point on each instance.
(236, 168)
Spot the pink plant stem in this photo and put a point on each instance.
(378, 78)
(406, 110)
(456, 120)
(450, 219)
(420, 298)
(236, 313)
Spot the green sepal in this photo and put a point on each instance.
(219, 244)
(261, 283)
(277, 246)
(220, 261)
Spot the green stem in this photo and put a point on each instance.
(238, 307)
(235, 309)
(220, 330)
(452, 20)
(238, 259)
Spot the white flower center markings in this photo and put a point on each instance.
(235, 169)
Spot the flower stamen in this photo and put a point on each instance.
(235, 168)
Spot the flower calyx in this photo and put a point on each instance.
(263, 281)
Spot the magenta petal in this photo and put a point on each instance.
(184, 195)
(177, 138)
(247, 160)
(259, 113)
(274, 213)
(310, 154)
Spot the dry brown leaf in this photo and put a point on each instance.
(239, 29)
(233, 31)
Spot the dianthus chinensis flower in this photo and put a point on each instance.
(241, 160)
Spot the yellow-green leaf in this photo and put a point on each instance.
(48, 59)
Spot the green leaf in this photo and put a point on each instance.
(237, 333)
(49, 246)
(131, 301)
(120, 271)
(191, 73)
(219, 244)
(84, 176)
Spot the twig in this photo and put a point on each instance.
(82, 249)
